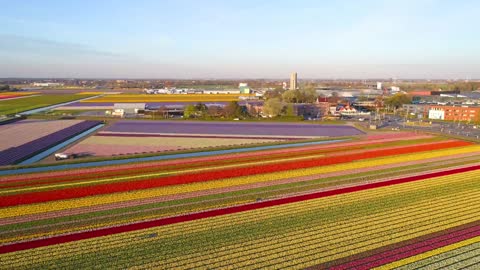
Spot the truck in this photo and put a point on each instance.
(61, 156)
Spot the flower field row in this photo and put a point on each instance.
(107, 215)
(145, 194)
(10, 95)
(204, 164)
(269, 203)
(312, 231)
(228, 128)
(78, 173)
(78, 192)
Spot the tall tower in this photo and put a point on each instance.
(293, 81)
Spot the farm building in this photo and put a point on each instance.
(126, 109)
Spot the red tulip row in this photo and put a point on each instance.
(187, 165)
(78, 192)
(79, 174)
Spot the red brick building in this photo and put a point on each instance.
(455, 113)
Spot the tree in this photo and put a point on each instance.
(396, 101)
(233, 110)
(200, 107)
(291, 96)
(277, 93)
(215, 111)
(308, 95)
(290, 110)
(189, 111)
(273, 107)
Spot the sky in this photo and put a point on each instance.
(425, 39)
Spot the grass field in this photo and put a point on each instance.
(24, 104)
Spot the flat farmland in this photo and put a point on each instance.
(383, 200)
(13, 106)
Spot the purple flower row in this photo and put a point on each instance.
(234, 128)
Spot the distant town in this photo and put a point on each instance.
(453, 100)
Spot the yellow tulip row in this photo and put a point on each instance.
(339, 249)
(101, 244)
(328, 244)
(385, 192)
(228, 247)
(8, 239)
(51, 252)
(409, 209)
(349, 226)
(177, 189)
(253, 250)
(29, 236)
(246, 216)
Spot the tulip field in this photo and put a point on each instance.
(386, 201)
(13, 95)
(132, 137)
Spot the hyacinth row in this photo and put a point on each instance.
(15, 154)
(225, 128)
(250, 210)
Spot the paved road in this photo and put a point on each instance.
(456, 129)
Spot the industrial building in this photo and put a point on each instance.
(444, 112)
(127, 109)
(47, 84)
(454, 113)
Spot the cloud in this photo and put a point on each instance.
(13, 44)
